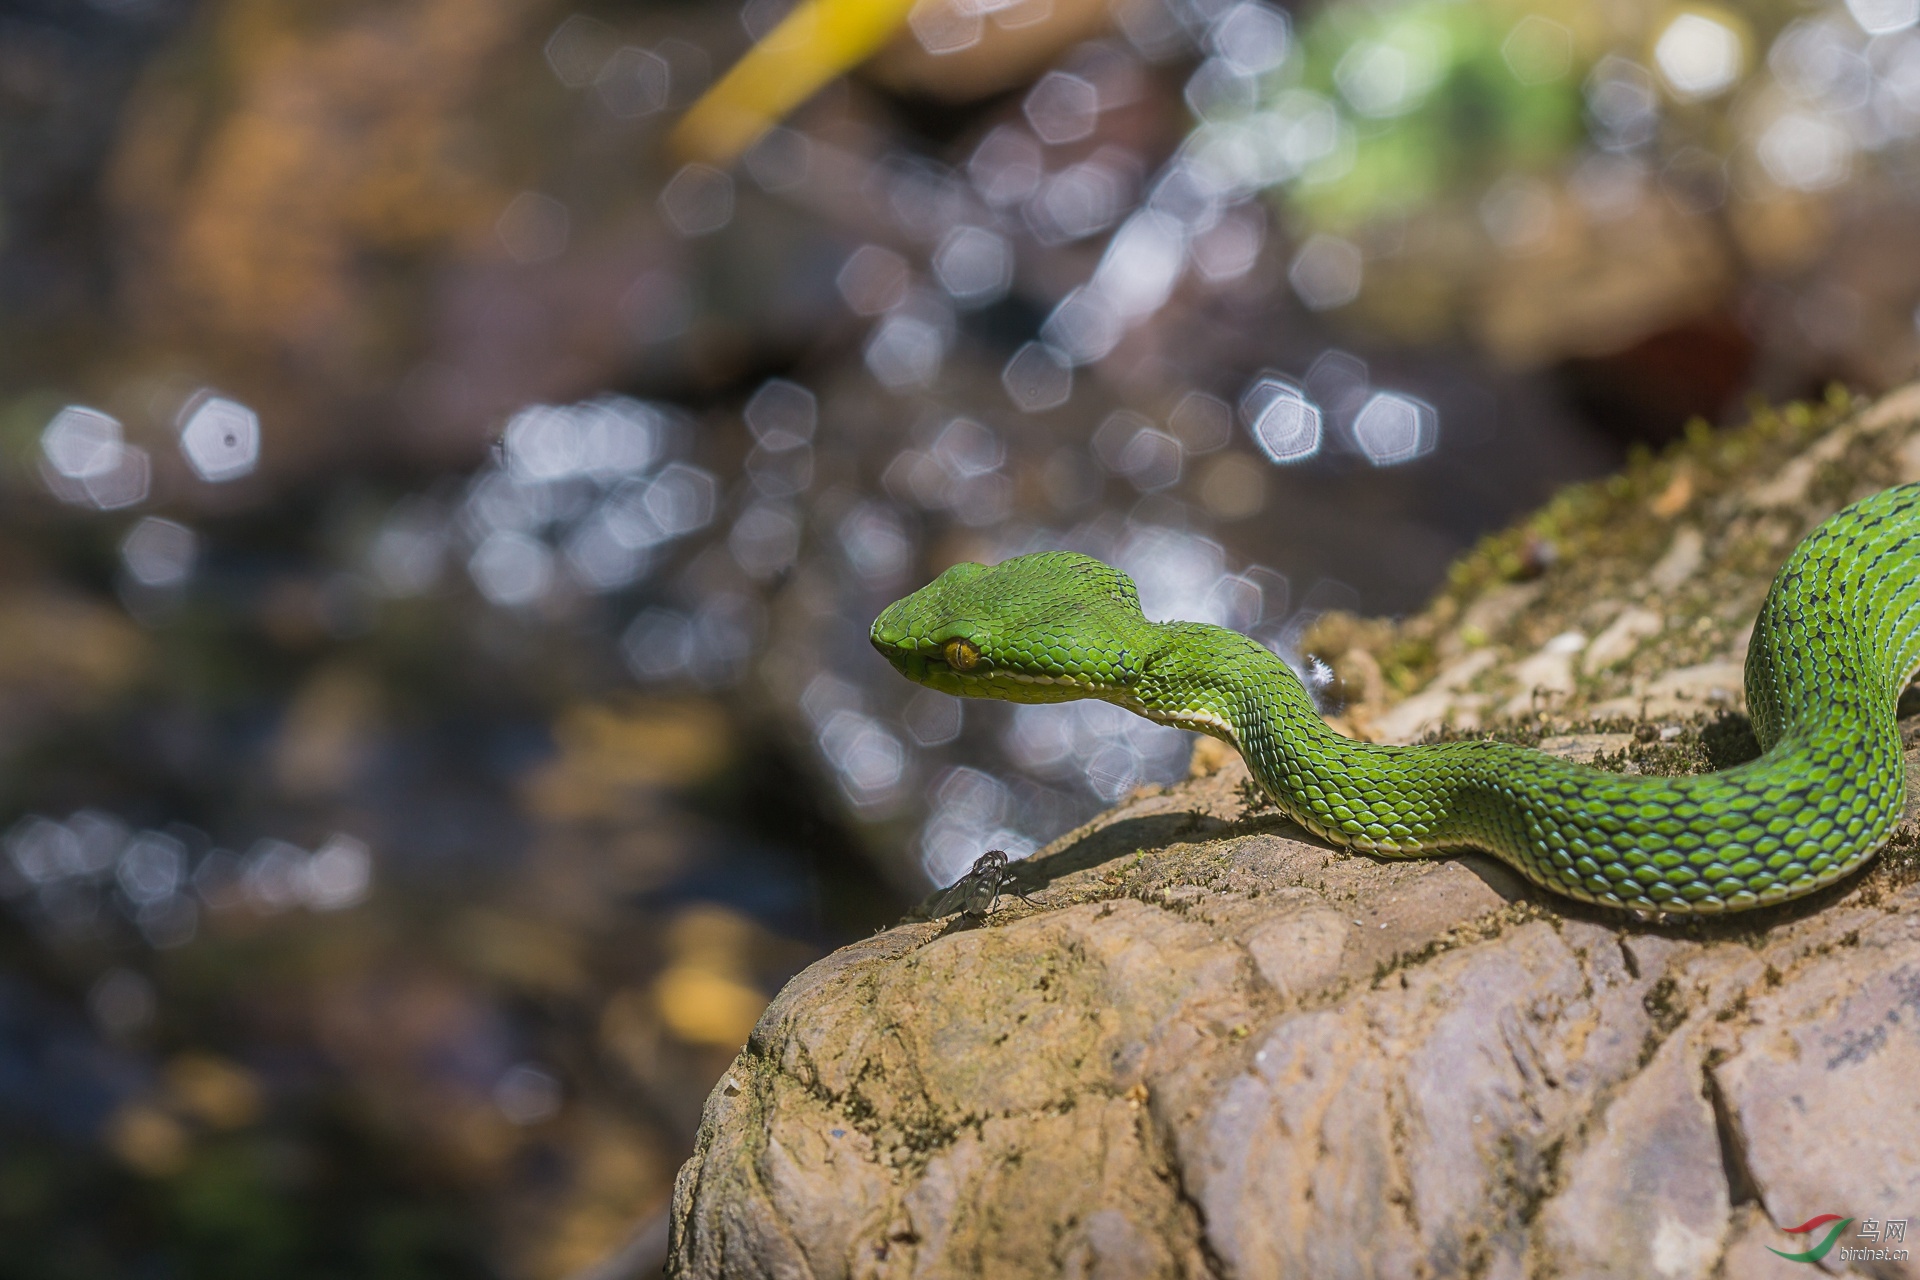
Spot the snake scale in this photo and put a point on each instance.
(1834, 646)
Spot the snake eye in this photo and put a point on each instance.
(961, 655)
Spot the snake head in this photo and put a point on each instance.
(1047, 627)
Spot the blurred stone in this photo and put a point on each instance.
(328, 144)
(1707, 686)
(1547, 675)
(613, 754)
(1680, 562)
(214, 1091)
(61, 653)
(1430, 708)
(327, 732)
(1583, 747)
(148, 1140)
(1582, 291)
(1622, 636)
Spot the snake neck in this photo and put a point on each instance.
(1219, 682)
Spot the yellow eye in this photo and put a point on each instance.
(961, 655)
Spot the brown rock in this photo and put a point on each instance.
(1584, 747)
(1217, 1046)
(1214, 1046)
(1821, 1085)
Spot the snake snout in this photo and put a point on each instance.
(905, 660)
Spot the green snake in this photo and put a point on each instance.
(1834, 646)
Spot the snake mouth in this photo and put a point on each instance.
(985, 680)
(916, 662)
(908, 661)
(941, 674)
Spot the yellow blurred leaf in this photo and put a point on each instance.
(817, 41)
(703, 1007)
(706, 996)
(609, 751)
(218, 1093)
(147, 1140)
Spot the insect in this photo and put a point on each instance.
(975, 894)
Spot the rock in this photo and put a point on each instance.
(1647, 1194)
(1908, 460)
(1359, 681)
(1429, 709)
(1898, 408)
(1789, 487)
(1709, 686)
(1546, 676)
(1210, 1044)
(1831, 1053)
(1673, 499)
(1418, 715)
(1681, 561)
(1585, 746)
(1491, 613)
(1218, 1046)
(1622, 636)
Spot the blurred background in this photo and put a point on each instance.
(441, 507)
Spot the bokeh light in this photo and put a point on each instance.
(220, 438)
(1062, 108)
(1284, 422)
(1699, 54)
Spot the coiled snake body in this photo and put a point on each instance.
(1835, 644)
